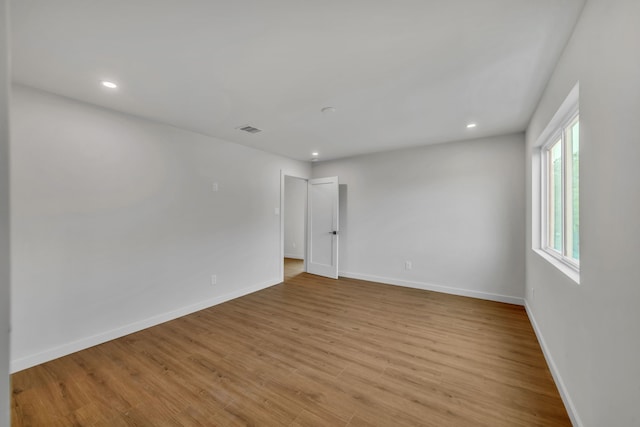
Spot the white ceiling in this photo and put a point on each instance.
(400, 73)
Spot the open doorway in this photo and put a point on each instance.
(294, 215)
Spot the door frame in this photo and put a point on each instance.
(283, 175)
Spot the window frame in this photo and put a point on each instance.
(558, 135)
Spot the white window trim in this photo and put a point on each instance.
(559, 135)
(554, 131)
(569, 271)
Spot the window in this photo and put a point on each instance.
(560, 160)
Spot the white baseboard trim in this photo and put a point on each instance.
(84, 343)
(294, 256)
(437, 288)
(562, 388)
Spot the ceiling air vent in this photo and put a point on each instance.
(249, 129)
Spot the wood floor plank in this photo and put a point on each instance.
(308, 352)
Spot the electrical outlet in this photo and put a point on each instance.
(293, 245)
(214, 279)
(214, 187)
(533, 293)
(408, 265)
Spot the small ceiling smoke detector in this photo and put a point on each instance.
(328, 110)
(108, 84)
(250, 129)
(471, 125)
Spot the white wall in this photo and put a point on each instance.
(116, 226)
(5, 275)
(591, 331)
(455, 210)
(295, 211)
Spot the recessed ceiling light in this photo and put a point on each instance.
(315, 153)
(328, 110)
(110, 85)
(471, 125)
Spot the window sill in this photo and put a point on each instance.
(567, 270)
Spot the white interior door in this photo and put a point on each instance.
(322, 227)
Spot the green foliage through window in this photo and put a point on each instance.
(563, 193)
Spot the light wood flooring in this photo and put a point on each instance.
(308, 352)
